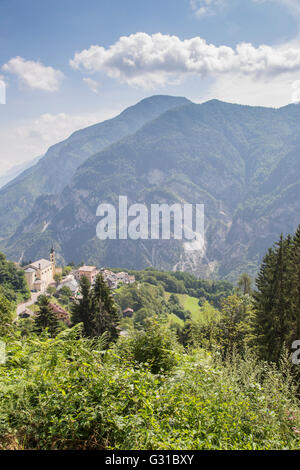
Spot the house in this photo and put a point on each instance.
(112, 282)
(69, 282)
(90, 272)
(40, 274)
(61, 314)
(114, 279)
(123, 277)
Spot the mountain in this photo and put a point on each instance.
(242, 162)
(55, 170)
(15, 171)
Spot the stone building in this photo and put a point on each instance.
(88, 271)
(40, 274)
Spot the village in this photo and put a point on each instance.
(45, 277)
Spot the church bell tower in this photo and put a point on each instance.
(52, 259)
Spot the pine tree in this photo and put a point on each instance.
(45, 317)
(296, 264)
(263, 303)
(82, 308)
(275, 301)
(104, 310)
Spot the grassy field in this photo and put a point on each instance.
(189, 303)
(199, 314)
(173, 319)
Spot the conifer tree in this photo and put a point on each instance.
(45, 317)
(296, 264)
(104, 310)
(273, 321)
(82, 308)
(263, 303)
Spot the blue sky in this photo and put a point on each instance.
(240, 51)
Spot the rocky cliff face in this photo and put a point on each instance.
(241, 162)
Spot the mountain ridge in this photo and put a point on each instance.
(53, 172)
(229, 157)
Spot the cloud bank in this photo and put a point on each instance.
(34, 75)
(149, 60)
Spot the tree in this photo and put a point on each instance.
(65, 291)
(51, 290)
(66, 270)
(141, 318)
(105, 316)
(5, 314)
(82, 308)
(235, 323)
(244, 284)
(96, 309)
(65, 294)
(156, 346)
(12, 280)
(57, 277)
(296, 263)
(275, 302)
(45, 317)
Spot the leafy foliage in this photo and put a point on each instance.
(12, 281)
(6, 309)
(64, 393)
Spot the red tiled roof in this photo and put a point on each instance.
(61, 313)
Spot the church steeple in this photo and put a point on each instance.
(52, 258)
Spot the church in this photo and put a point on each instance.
(40, 274)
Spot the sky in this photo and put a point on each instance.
(66, 64)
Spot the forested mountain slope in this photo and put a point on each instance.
(56, 169)
(242, 162)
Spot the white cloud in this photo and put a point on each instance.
(296, 91)
(34, 75)
(144, 60)
(26, 140)
(205, 7)
(92, 84)
(279, 91)
(2, 90)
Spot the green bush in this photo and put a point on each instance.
(67, 393)
(155, 346)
